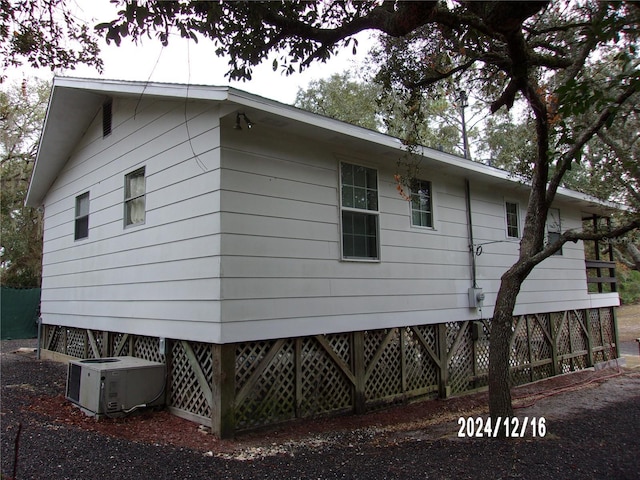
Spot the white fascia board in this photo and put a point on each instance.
(125, 87)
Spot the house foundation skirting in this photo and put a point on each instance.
(242, 386)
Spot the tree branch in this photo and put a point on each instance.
(396, 23)
(565, 160)
(574, 236)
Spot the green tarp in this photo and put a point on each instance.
(19, 312)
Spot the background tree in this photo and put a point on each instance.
(359, 99)
(344, 98)
(22, 110)
(536, 51)
(45, 33)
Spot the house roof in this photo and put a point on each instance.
(74, 103)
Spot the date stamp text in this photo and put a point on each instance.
(510, 427)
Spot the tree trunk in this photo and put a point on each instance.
(500, 341)
(499, 350)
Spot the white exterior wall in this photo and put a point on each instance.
(241, 239)
(159, 278)
(281, 270)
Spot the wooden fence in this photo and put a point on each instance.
(247, 385)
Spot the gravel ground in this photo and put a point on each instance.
(599, 438)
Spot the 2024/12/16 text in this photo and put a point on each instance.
(510, 427)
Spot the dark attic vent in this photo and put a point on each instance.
(106, 117)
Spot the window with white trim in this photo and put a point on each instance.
(512, 211)
(421, 204)
(81, 224)
(134, 197)
(554, 227)
(359, 205)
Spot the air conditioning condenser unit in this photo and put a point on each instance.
(115, 385)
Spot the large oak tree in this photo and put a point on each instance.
(538, 52)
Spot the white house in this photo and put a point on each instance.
(219, 221)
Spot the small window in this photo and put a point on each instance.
(554, 227)
(81, 229)
(134, 197)
(359, 187)
(513, 220)
(421, 205)
(107, 115)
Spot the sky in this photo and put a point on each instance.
(184, 61)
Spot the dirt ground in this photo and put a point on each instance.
(628, 331)
(629, 322)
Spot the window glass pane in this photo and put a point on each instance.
(360, 247)
(513, 229)
(347, 196)
(82, 228)
(359, 235)
(360, 200)
(347, 174)
(135, 185)
(372, 179)
(360, 225)
(421, 214)
(554, 227)
(82, 205)
(359, 187)
(135, 211)
(134, 208)
(372, 200)
(553, 221)
(360, 176)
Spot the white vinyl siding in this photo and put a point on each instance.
(243, 240)
(161, 280)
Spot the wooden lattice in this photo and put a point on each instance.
(383, 364)
(579, 340)
(190, 363)
(608, 336)
(96, 347)
(563, 334)
(276, 380)
(460, 354)
(77, 343)
(540, 344)
(268, 396)
(481, 356)
(54, 338)
(519, 344)
(148, 349)
(121, 344)
(421, 369)
(324, 384)
(248, 358)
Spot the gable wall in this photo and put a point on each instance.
(281, 267)
(159, 278)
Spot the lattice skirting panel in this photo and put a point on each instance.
(253, 384)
